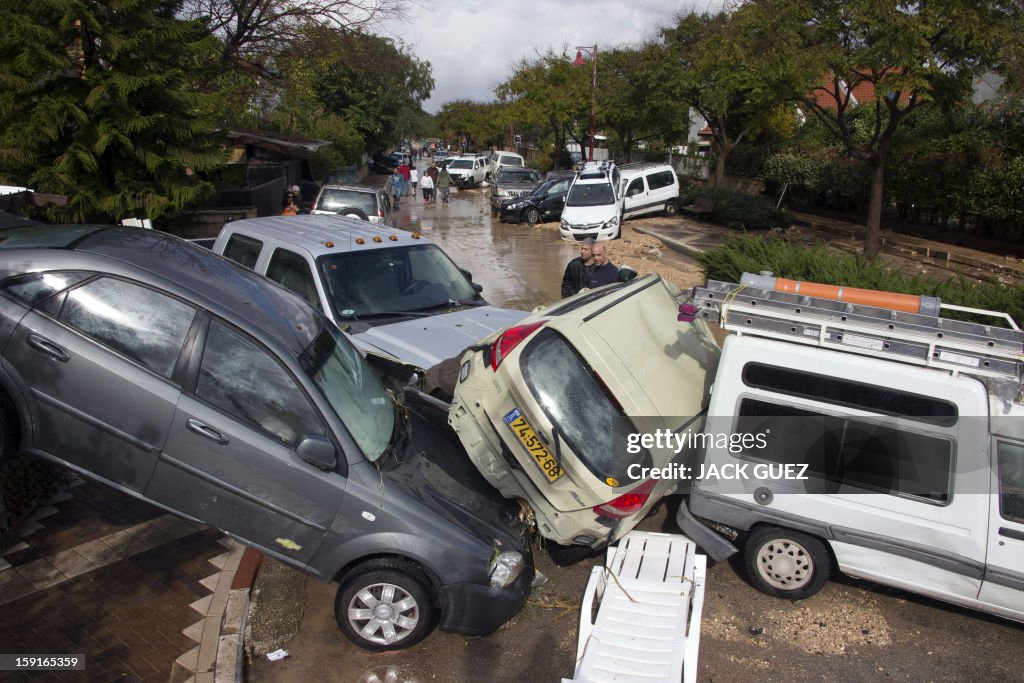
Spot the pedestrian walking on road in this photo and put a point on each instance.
(406, 173)
(577, 272)
(396, 187)
(414, 178)
(444, 184)
(428, 188)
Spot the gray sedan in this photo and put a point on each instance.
(172, 374)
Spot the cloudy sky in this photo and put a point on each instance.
(473, 44)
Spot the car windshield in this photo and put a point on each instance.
(461, 163)
(337, 200)
(517, 175)
(590, 195)
(395, 280)
(542, 188)
(509, 161)
(344, 378)
(575, 401)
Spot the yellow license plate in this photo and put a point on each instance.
(541, 457)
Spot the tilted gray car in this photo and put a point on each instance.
(177, 376)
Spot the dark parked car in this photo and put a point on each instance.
(179, 377)
(512, 181)
(545, 202)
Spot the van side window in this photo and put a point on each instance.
(855, 452)
(291, 271)
(636, 186)
(842, 392)
(660, 179)
(243, 250)
(1011, 481)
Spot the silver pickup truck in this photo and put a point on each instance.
(397, 294)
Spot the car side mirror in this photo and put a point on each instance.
(469, 278)
(318, 451)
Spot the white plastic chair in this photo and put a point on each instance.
(650, 597)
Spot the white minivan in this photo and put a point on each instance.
(603, 195)
(887, 446)
(650, 188)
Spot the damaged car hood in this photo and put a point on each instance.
(428, 341)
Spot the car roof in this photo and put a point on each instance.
(353, 188)
(314, 232)
(176, 265)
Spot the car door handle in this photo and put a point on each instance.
(47, 347)
(1011, 533)
(206, 432)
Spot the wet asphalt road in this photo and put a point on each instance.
(851, 631)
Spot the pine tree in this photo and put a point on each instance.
(98, 102)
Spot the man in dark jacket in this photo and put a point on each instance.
(603, 272)
(577, 273)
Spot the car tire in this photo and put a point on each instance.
(354, 213)
(532, 216)
(671, 207)
(785, 563)
(409, 614)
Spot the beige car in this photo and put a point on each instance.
(544, 408)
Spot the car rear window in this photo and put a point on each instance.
(337, 200)
(576, 402)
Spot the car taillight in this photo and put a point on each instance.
(628, 503)
(509, 340)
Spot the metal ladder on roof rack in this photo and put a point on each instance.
(931, 341)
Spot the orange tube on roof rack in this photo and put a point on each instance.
(909, 303)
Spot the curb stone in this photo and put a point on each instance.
(217, 657)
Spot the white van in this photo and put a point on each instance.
(650, 188)
(502, 158)
(593, 206)
(885, 444)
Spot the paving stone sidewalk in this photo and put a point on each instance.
(102, 574)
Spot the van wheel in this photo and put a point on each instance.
(355, 213)
(532, 216)
(382, 605)
(786, 564)
(671, 208)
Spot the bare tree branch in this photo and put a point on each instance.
(253, 29)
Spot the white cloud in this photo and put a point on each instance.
(473, 45)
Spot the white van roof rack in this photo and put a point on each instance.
(928, 340)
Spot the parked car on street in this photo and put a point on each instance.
(501, 158)
(440, 154)
(357, 201)
(397, 293)
(174, 375)
(538, 406)
(512, 181)
(468, 170)
(545, 202)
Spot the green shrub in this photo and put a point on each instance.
(742, 211)
(821, 264)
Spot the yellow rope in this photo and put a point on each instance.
(728, 300)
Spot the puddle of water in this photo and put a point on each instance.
(518, 266)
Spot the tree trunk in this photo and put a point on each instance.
(720, 158)
(873, 228)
